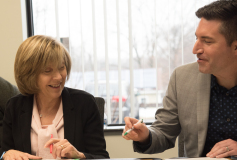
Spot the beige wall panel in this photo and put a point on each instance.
(11, 36)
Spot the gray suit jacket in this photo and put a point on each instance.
(186, 109)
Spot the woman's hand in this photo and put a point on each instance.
(62, 148)
(18, 155)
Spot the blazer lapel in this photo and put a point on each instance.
(25, 123)
(203, 101)
(68, 116)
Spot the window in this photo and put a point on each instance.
(122, 50)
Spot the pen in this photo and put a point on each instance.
(51, 145)
(140, 121)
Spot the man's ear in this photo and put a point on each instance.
(235, 46)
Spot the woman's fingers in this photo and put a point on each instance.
(18, 155)
(67, 149)
(51, 141)
(63, 148)
(29, 156)
(58, 146)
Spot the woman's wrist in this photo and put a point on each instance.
(2, 155)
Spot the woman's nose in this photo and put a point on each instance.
(57, 75)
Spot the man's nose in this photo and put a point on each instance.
(197, 48)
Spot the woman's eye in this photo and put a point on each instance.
(62, 67)
(47, 71)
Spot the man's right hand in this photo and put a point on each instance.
(140, 132)
(18, 155)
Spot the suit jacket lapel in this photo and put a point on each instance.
(25, 123)
(68, 116)
(203, 101)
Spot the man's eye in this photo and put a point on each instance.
(207, 41)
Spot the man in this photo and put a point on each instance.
(201, 99)
(7, 90)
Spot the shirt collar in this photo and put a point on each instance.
(213, 81)
(218, 88)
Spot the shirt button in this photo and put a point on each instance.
(227, 94)
(228, 119)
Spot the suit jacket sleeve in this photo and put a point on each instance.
(166, 128)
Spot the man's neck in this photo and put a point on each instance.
(227, 81)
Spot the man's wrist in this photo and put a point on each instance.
(147, 140)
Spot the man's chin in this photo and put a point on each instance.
(204, 70)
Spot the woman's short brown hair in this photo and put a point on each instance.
(33, 55)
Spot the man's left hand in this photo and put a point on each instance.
(223, 149)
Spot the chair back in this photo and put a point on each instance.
(100, 104)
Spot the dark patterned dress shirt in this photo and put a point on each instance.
(222, 122)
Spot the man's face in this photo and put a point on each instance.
(214, 55)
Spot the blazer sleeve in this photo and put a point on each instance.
(7, 138)
(95, 146)
(166, 128)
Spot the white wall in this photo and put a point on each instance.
(12, 37)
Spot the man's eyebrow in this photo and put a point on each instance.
(204, 37)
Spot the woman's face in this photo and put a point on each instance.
(51, 81)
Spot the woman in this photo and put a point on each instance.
(47, 108)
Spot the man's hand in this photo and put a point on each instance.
(140, 132)
(223, 149)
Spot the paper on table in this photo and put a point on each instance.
(200, 158)
(56, 159)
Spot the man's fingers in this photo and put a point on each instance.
(221, 148)
(125, 137)
(130, 121)
(140, 126)
(226, 154)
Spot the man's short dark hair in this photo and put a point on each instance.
(226, 12)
